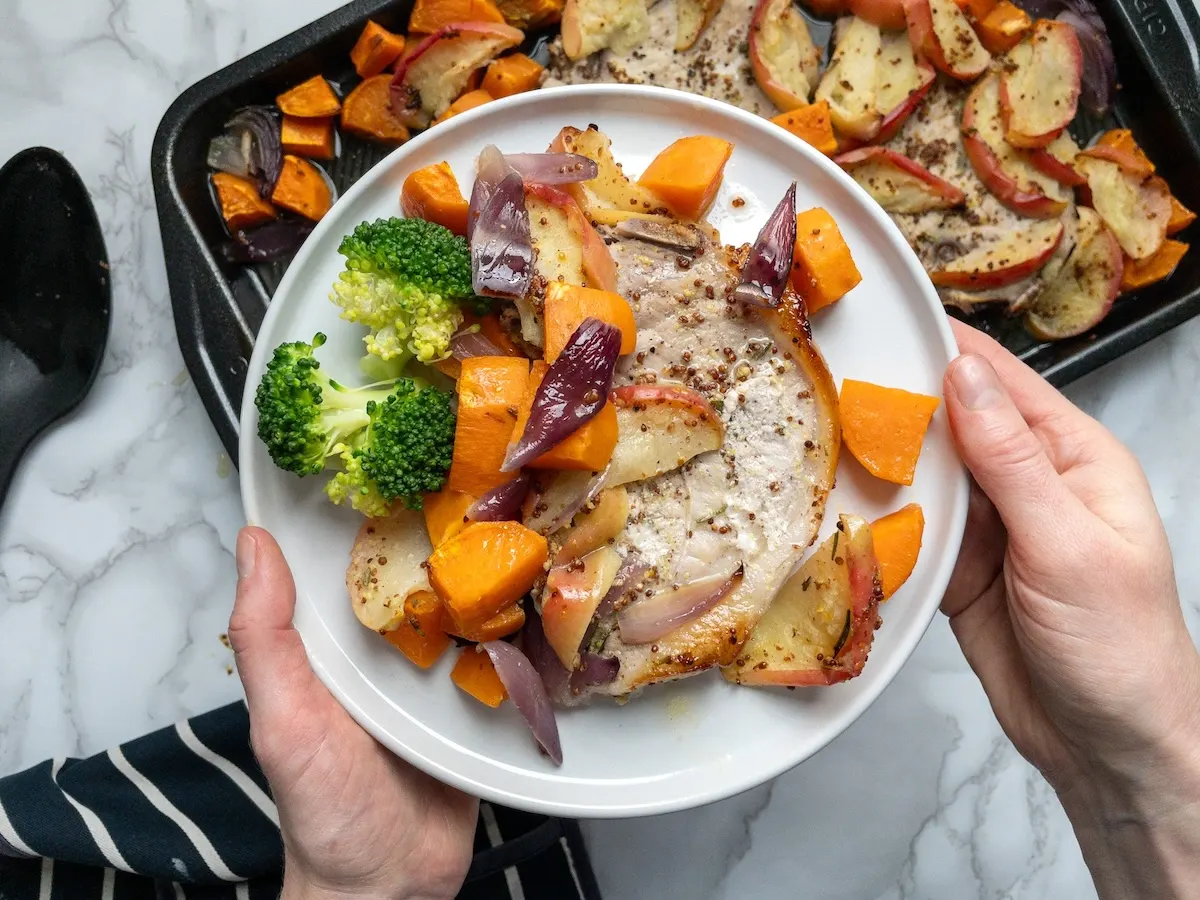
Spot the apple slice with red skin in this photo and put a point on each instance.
(783, 58)
(849, 84)
(1057, 159)
(595, 527)
(598, 269)
(1003, 169)
(897, 183)
(1039, 89)
(820, 627)
(887, 14)
(901, 82)
(941, 31)
(1009, 259)
(591, 25)
(1136, 210)
(573, 591)
(660, 427)
(1083, 292)
(428, 79)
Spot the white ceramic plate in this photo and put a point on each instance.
(678, 745)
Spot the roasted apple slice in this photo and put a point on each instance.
(387, 566)
(1084, 290)
(901, 83)
(1137, 210)
(429, 78)
(849, 84)
(941, 31)
(591, 25)
(1003, 169)
(887, 14)
(820, 627)
(568, 247)
(611, 196)
(661, 427)
(595, 527)
(1057, 159)
(573, 591)
(1004, 261)
(897, 183)
(691, 18)
(783, 58)
(1039, 87)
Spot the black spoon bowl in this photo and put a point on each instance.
(55, 298)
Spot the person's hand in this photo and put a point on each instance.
(1065, 605)
(356, 821)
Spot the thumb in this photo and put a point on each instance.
(270, 655)
(1007, 459)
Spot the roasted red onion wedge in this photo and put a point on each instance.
(501, 504)
(766, 272)
(574, 390)
(275, 240)
(553, 168)
(595, 669)
(649, 618)
(265, 157)
(630, 573)
(466, 344)
(501, 251)
(490, 170)
(528, 692)
(555, 678)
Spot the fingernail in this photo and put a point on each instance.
(975, 383)
(244, 554)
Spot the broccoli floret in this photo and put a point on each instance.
(404, 279)
(410, 442)
(353, 484)
(303, 416)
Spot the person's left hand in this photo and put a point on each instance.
(356, 821)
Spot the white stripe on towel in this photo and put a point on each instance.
(158, 800)
(256, 795)
(46, 885)
(104, 842)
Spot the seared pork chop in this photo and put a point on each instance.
(758, 501)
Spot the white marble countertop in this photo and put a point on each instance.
(116, 568)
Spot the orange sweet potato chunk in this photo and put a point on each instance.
(313, 138)
(241, 205)
(445, 514)
(884, 428)
(421, 636)
(823, 270)
(432, 193)
(897, 539)
(1140, 273)
(1181, 217)
(508, 621)
(313, 99)
(490, 390)
(368, 112)
(475, 674)
(430, 15)
(687, 175)
(567, 305)
(512, 74)
(484, 568)
(469, 100)
(376, 49)
(302, 188)
(812, 125)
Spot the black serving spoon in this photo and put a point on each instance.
(55, 298)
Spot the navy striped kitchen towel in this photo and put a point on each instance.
(185, 812)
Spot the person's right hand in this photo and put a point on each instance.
(1065, 605)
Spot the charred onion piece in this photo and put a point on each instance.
(649, 618)
(466, 344)
(574, 390)
(501, 251)
(265, 156)
(524, 685)
(501, 504)
(766, 272)
(275, 240)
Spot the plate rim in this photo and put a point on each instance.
(708, 792)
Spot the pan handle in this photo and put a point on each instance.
(1164, 34)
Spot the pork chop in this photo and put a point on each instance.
(760, 498)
